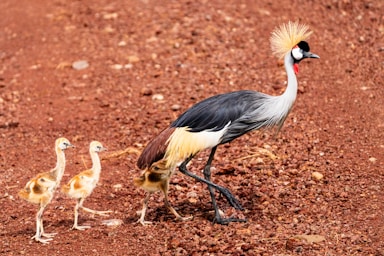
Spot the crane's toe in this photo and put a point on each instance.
(187, 218)
(231, 199)
(81, 228)
(104, 213)
(42, 240)
(144, 222)
(48, 235)
(226, 221)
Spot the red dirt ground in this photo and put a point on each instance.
(187, 51)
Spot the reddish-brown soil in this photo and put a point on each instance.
(186, 51)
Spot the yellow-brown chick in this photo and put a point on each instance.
(153, 179)
(40, 189)
(82, 185)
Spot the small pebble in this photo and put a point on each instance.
(118, 186)
(112, 222)
(122, 43)
(175, 107)
(146, 91)
(372, 160)
(157, 97)
(128, 66)
(133, 59)
(80, 64)
(110, 16)
(117, 66)
(317, 175)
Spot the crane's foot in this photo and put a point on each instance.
(226, 221)
(48, 235)
(101, 213)
(42, 240)
(81, 228)
(230, 198)
(219, 217)
(184, 218)
(144, 223)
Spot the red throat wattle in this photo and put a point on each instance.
(296, 68)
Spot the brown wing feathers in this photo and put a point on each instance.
(155, 149)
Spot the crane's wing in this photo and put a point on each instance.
(236, 112)
(155, 149)
(216, 112)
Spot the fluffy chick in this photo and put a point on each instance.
(153, 179)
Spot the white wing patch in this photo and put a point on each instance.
(183, 143)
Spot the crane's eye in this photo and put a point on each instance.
(297, 53)
(64, 145)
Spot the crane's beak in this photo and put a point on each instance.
(311, 55)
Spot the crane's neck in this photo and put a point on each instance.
(277, 108)
(58, 171)
(96, 166)
(291, 91)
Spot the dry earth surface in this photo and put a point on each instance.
(148, 61)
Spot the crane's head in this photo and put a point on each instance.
(96, 146)
(63, 143)
(290, 38)
(301, 51)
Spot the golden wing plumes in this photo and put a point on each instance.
(287, 36)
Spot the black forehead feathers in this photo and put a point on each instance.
(304, 46)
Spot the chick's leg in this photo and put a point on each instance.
(164, 188)
(40, 228)
(75, 224)
(144, 209)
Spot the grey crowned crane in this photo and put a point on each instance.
(225, 117)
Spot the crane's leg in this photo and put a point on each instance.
(207, 176)
(79, 204)
(231, 199)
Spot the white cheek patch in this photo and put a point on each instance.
(297, 54)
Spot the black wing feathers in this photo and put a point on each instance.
(216, 112)
(239, 109)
